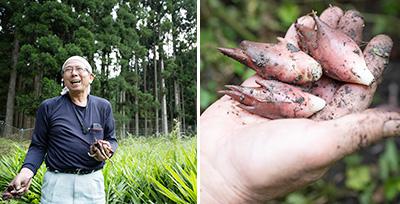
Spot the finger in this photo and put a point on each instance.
(108, 149)
(7, 195)
(10, 187)
(17, 191)
(16, 186)
(348, 134)
(105, 143)
(352, 24)
(103, 151)
(226, 112)
(26, 184)
(93, 149)
(350, 98)
(100, 156)
(21, 191)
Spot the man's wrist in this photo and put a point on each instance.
(27, 172)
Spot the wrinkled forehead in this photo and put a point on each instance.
(74, 63)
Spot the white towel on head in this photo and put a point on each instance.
(80, 59)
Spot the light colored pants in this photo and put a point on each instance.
(60, 188)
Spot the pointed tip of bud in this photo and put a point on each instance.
(235, 95)
(281, 40)
(234, 53)
(317, 103)
(224, 50)
(365, 77)
(231, 87)
(250, 109)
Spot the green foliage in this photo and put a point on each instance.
(297, 198)
(144, 170)
(389, 168)
(358, 177)
(288, 13)
(29, 102)
(184, 179)
(50, 89)
(206, 97)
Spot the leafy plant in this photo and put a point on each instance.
(139, 166)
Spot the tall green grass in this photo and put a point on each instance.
(144, 170)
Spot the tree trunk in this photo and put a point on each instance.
(123, 122)
(19, 114)
(145, 91)
(11, 88)
(177, 94)
(37, 83)
(183, 112)
(156, 92)
(21, 119)
(37, 88)
(171, 105)
(163, 102)
(103, 72)
(137, 104)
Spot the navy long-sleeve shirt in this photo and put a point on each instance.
(59, 138)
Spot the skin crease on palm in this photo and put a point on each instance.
(245, 158)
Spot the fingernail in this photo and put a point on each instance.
(391, 128)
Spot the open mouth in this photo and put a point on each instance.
(75, 81)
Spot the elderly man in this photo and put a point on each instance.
(70, 131)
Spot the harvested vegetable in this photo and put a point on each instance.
(352, 24)
(333, 40)
(331, 16)
(353, 98)
(274, 99)
(283, 61)
(100, 149)
(325, 88)
(338, 54)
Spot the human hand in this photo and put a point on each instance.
(245, 158)
(19, 185)
(100, 150)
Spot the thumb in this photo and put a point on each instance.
(17, 182)
(354, 131)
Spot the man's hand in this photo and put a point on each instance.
(19, 185)
(100, 150)
(250, 159)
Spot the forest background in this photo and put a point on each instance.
(370, 176)
(144, 53)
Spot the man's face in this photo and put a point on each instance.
(76, 77)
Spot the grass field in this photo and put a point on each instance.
(144, 170)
